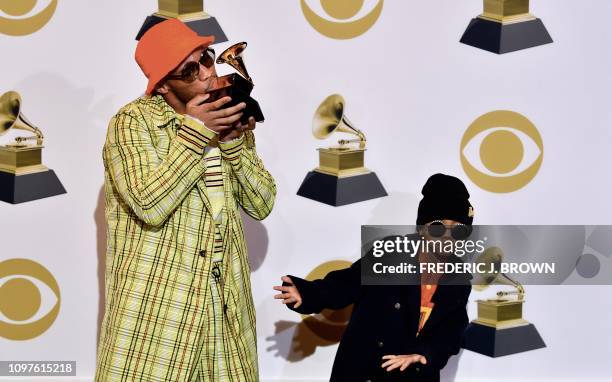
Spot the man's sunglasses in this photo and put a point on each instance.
(458, 231)
(191, 71)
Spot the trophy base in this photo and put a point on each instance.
(503, 38)
(500, 313)
(341, 161)
(205, 26)
(492, 342)
(336, 191)
(16, 189)
(235, 86)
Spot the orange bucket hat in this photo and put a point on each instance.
(163, 47)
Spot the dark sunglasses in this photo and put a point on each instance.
(191, 71)
(458, 231)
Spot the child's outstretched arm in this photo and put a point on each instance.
(335, 291)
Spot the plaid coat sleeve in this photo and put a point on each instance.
(254, 187)
(153, 188)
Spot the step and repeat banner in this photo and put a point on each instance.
(512, 97)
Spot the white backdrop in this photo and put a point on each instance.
(409, 85)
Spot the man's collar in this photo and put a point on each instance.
(163, 114)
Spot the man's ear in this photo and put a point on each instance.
(162, 88)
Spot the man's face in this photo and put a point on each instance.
(185, 90)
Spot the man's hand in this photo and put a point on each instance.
(402, 361)
(290, 294)
(237, 129)
(216, 119)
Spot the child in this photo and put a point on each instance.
(397, 332)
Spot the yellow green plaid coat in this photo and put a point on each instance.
(157, 324)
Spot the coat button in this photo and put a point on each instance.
(417, 368)
(397, 305)
(381, 344)
(202, 253)
(216, 272)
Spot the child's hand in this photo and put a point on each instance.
(290, 294)
(402, 361)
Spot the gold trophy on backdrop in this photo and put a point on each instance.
(191, 12)
(341, 177)
(238, 87)
(506, 26)
(500, 328)
(23, 177)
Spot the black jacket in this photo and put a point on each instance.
(385, 321)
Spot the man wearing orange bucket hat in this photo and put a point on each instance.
(179, 305)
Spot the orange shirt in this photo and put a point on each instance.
(427, 292)
(428, 288)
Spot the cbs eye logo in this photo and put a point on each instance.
(501, 151)
(344, 19)
(29, 299)
(597, 244)
(23, 17)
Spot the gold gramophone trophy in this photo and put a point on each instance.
(506, 26)
(238, 87)
(341, 177)
(500, 328)
(23, 177)
(191, 12)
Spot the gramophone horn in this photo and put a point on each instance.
(330, 118)
(492, 258)
(11, 117)
(233, 57)
(494, 255)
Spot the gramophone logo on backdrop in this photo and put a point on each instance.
(29, 299)
(345, 19)
(24, 17)
(328, 324)
(501, 151)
